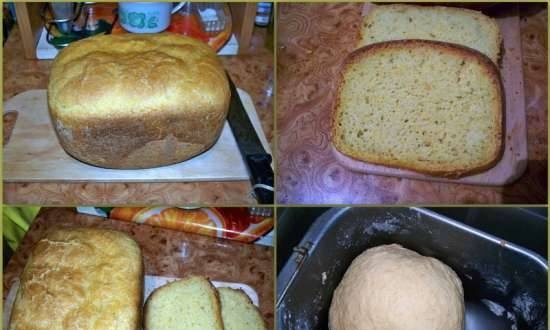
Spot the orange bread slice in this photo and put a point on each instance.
(461, 26)
(427, 106)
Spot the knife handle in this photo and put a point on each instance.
(261, 173)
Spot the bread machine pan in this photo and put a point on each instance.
(505, 285)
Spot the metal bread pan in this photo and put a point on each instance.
(505, 285)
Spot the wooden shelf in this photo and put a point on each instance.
(30, 24)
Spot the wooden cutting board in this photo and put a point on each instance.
(514, 160)
(34, 154)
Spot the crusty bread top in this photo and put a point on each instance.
(432, 107)
(80, 279)
(462, 26)
(116, 76)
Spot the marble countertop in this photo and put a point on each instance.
(218, 259)
(252, 72)
(312, 42)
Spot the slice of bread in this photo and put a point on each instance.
(238, 312)
(191, 304)
(461, 26)
(427, 106)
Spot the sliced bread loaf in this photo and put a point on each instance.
(238, 312)
(191, 304)
(427, 106)
(465, 27)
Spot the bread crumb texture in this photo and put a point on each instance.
(420, 105)
(461, 26)
(238, 312)
(80, 279)
(191, 304)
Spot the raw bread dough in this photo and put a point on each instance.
(392, 288)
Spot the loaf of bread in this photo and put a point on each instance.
(461, 26)
(238, 312)
(191, 304)
(427, 106)
(80, 279)
(137, 100)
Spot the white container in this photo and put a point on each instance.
(146, 17)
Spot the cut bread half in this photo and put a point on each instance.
(427, 106)
(238, 312)
(191, 304)
(461, 26)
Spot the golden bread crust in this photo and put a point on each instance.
(137, 101)
(450, 170)
(80, 278)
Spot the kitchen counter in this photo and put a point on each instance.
(312, 42)
(251, 72)
(218, 259)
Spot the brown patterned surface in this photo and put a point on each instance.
(252, 72)
(313, 39)
(167, 253)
